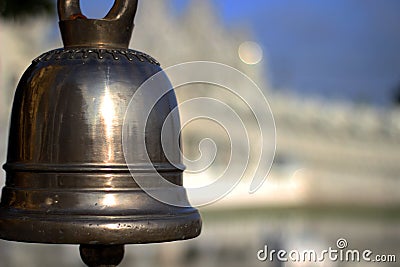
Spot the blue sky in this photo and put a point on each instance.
(336, 49)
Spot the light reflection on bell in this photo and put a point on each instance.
(67, 180)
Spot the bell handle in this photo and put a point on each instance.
(113, 31)
(68, 9)
(123, 10)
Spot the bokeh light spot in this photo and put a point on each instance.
(251, 53)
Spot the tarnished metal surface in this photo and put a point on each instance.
(67, 180)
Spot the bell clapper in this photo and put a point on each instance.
(102, 255)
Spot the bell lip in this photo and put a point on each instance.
(99, 230)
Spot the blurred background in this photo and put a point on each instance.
(331, 73)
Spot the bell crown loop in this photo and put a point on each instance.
(114, 31)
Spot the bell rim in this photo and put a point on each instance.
(98, 230)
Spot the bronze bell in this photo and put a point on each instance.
(67, 179)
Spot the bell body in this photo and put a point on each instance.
(67, 180)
